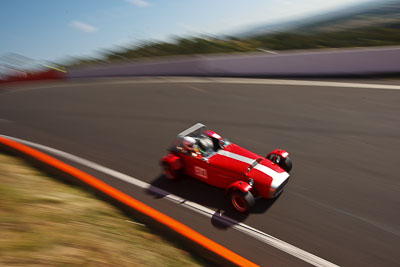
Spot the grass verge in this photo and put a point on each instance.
(44, 222)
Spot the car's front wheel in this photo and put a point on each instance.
(242, 201)
(286, 164)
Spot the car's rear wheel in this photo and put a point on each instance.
(242, 201)
(169, 172)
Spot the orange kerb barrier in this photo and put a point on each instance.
(131, 202)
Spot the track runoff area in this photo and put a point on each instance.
(259, 235)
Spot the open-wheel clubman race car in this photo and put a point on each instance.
(206, 156)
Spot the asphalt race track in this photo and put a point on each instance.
(342, 203)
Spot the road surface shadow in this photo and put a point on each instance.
(209, 196)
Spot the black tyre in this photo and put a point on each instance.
(241, 201)
(286, 164)
(169, 172)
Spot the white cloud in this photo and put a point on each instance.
(139, 3)
(84, 27)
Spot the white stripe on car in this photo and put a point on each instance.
(277, 178)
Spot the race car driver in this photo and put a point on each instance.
(191, 147)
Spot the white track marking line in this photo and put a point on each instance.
(156, 80)
(257, 234)
(197, 89)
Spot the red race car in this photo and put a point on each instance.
(206, 156)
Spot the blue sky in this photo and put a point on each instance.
(53, 30)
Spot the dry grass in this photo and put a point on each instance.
(44, 222)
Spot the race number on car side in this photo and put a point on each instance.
(200, 172)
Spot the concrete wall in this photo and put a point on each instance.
(362, 61)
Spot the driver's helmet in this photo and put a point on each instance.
(189, 143)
